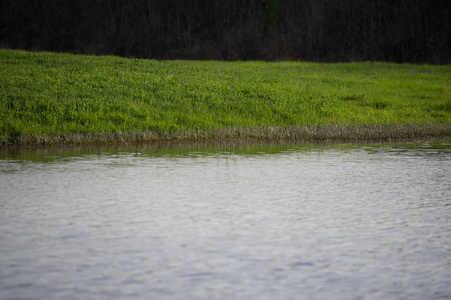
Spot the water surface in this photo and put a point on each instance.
(236, 221)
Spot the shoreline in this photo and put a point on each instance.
(308, 134)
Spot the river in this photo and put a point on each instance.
(227, 221)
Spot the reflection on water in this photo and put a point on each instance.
(235, 221)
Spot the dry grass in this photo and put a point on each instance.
(330, 133)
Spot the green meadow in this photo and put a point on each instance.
(52, 98)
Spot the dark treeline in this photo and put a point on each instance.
(417, 31)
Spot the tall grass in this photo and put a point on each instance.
(62, 98)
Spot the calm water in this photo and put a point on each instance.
(227, 222)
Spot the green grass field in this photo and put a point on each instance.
(63, 98)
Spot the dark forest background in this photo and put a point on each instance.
(414, 31)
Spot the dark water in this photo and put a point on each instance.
(227, 222)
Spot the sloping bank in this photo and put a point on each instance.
(61, 99)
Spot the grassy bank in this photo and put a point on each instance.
(49, 98)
